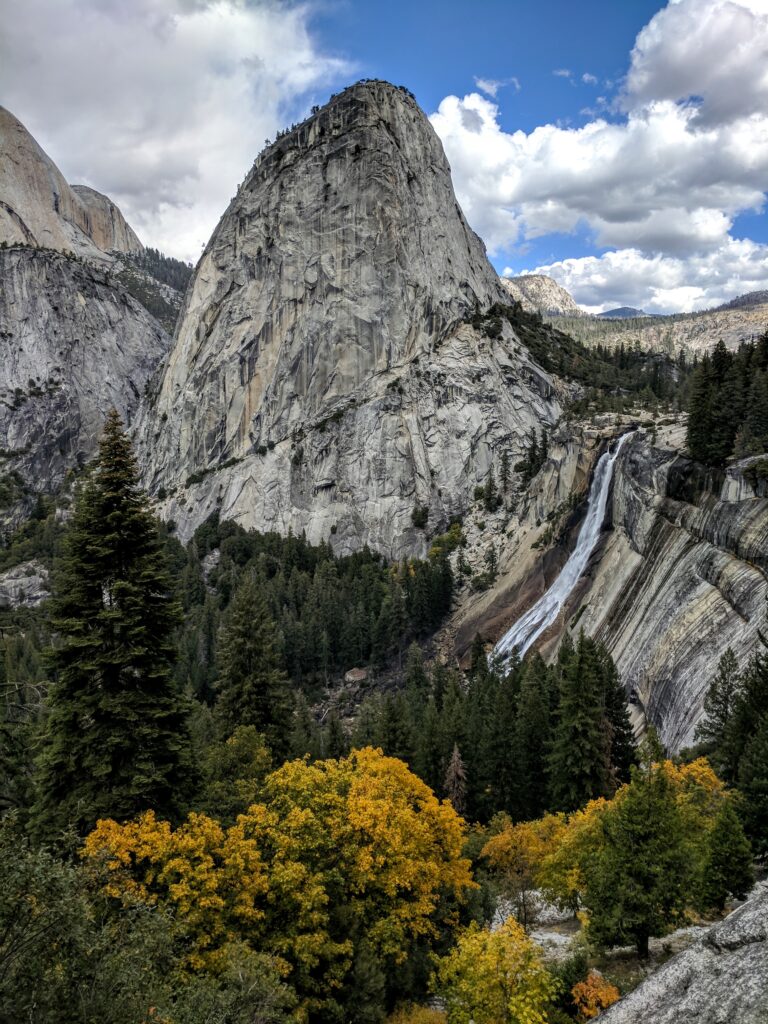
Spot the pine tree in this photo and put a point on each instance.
(252, 686)
(623, 750)
(640, 882)
(117, 739)
(455, 783)
(700, 412)
(579, 763)
(532, 740)
(304, 736)
(728, 867)
(753, 783)
(719, 702)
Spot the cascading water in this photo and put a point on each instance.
(530, 626)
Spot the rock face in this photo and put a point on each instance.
(682, 577)
(541, 294)
(25, 585)
(722, 979)
(679, 576)
(73, 346)
(321, 378)
(39, 208)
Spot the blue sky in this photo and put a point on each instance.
(624, 152)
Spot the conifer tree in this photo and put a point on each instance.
(116, 740)
(623, 751)
(304, 735)
(719, 702)
(253, 688)
(728, 867)
(455, 783)
(579, 763)
(532, 739)
(641, 880)
(754, 785)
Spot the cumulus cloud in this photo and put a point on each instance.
(665, 180)
(662, 284)
(562, 73)
(161, 104)
(589, 79)
(713, 53)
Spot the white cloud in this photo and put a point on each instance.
(562, 73)
(491, 86)
(161, 104)
(666, 180)
(662, 284)
(589, 79)
(714, 51)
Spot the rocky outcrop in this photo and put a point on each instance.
(105, 224)
(321, 377)
(722, 979)
(39, 208)
(74, 346)
(541, 294)
(24, 586)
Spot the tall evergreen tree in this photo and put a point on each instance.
(728, 867)
(116, 740)
(623, 750)
(753, 783)
(641, 880)
(579, 763)
(719, 704)
(253, 688)
(532, 740)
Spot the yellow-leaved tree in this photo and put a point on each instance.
(338, 873)
(516, 855)
(495, 977)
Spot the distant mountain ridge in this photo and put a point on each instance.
(623, 313)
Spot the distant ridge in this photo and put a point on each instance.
(747, 300)
(623, 313)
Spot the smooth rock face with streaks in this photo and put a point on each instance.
(678, 577)
(39, 208)
(682, 577)
(73, 347)
(722, 979)
(321, 377)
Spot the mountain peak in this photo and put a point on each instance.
(320, 356)
(39, 208)
(541, 294)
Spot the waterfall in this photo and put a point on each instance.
(530, 626)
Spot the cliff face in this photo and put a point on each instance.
(679, 576)
(39, 208)
(321, 378)
(722, 979)
(73, 347)
(682, 577)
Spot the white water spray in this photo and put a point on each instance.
(529, 628)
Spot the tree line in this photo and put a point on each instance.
(728, 407)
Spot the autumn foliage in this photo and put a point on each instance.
(339, 857)
(495, 977)
(593, 995)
